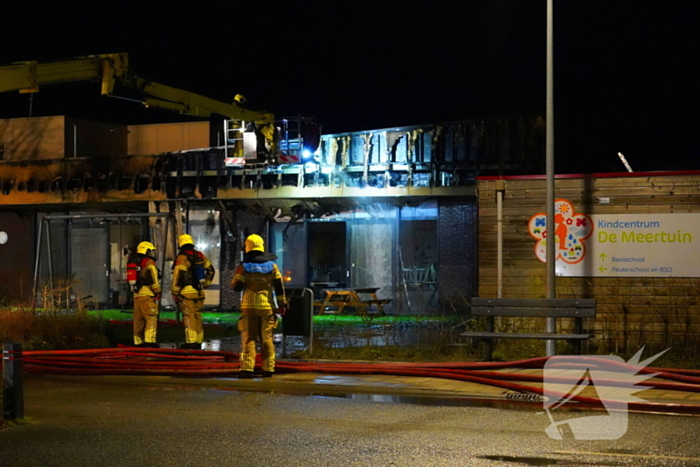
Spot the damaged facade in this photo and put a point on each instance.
(394, 208)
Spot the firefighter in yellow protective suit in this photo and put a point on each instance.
(258, 277)
(192, 273)
(146, 297)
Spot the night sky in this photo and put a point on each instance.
(623, 70)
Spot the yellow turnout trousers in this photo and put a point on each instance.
(254, 323)
(192, 317)
(145, 320)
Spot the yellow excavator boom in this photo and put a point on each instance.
(28, 77)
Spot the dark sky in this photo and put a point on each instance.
(622, 70)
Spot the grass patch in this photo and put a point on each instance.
(420, 353)
(20, 422)
(119, 327)
(127, 315)
(390, 338)
(17, 422)
(122, 332)
(508, 350)
(330, 321)
(59, 330)
(232, 317)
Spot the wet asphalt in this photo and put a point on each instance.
(157, 421)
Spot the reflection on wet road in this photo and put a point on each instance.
(116, 421)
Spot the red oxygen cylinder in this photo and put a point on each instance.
(132, 270)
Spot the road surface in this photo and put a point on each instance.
(135, 421)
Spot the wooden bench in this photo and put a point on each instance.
(532, 308)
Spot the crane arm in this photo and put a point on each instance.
(190, 103)
(27, 77)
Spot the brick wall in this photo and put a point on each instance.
(458, 266)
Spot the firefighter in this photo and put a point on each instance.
(258, 277)
(146, 296)
(192, 273)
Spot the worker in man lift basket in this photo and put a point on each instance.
(192, 273)
(147, 290)
(261, 282)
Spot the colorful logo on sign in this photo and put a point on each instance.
(570, 231)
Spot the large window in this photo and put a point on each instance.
(381, 246)
(418, 243)
(205, 231)
(289, 244)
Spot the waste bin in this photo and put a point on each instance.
(299, 318)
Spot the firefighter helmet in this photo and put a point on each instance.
(145, 248)
(254, 243)
(185, 239)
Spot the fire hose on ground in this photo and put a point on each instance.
(189, 363)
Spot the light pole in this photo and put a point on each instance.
(549, 154)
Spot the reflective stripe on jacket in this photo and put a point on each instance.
(257, 281)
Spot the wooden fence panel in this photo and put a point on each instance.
(631, 311)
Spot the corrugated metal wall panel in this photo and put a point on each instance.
(17, 253)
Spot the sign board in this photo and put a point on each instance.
(620, 245)
(288, 159)
(234, 161)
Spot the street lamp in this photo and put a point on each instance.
(549, 155)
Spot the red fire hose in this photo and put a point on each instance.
(173, 362)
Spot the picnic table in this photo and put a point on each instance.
(364, 300)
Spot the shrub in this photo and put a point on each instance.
(48, 330)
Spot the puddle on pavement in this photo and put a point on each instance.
(522, 460)
(425, 401)
(389, 399)
(544, 461)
